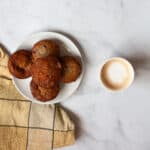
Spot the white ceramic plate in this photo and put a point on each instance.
(67, 46)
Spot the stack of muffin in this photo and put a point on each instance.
(46, 67)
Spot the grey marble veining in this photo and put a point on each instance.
(104, 28)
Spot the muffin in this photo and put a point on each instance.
(46, 72)
(19, 64)
(44, 94)
(71, 69)
(45, 48)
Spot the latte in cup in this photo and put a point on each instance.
(116, 74)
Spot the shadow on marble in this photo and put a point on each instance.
(139, 59)
(76, 120)
(4, 48)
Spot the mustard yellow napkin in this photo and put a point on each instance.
(28, 126)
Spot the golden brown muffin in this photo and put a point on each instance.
(45, 48)
(19, 64)
(71, 69)
(46, 72)
(44, 94)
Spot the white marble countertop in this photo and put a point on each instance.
(104, 28)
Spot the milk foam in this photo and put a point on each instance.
(117, 72)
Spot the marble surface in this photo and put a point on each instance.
(104, 28)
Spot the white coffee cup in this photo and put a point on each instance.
(116, 74)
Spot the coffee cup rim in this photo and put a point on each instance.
(130, 66)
